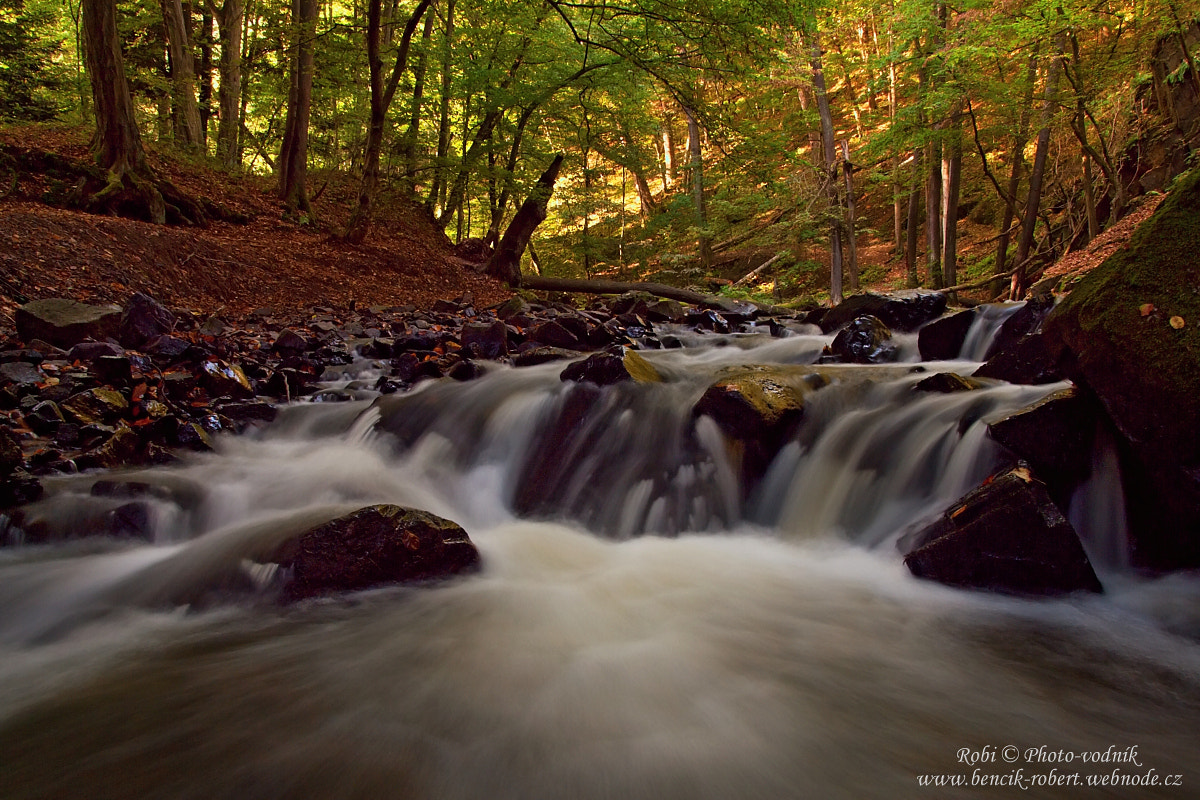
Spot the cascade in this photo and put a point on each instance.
(645, 625)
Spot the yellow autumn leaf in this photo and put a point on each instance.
(1177, 322)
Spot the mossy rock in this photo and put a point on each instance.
(1130, 331)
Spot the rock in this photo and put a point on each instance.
(1025, 322)
(901, 311)
(613, 366)
(1054, 435)
(287, 383)
(554, 334)
(511, 307)
(375, 546)
(866, 340)
(166, 348)
(946, 383)
(1114, 334)
(288, 342)
(1006, 536)
(707, 320)
(45, 418)
(29, 355)
(121, 449)
(19, 488)
(483, 340)
(465, 370)
(117, 370)
(130, 521)
(1029, 362)
(65, 322)
(21, 373)
(144, 319)
(100, 405)
(942, 339)
(543, 355)
(11, 457)
(225, 380)
(90, 351)
(249, 411)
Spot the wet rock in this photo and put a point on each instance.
(19, 488)
(287, 383)
(222, 379)
(546, 471)
(65, 322)
(121, 449)
(375, 546)
(465, 370)
(901, 311)
(100, 405)
(1029, 362)
(288, 342)
(129, 521)
(45, 418)
(248, 411)
(90, 351)
(143, 320)
(486, 341)
(542, 355)
(554, 334)
(167, 349)
(946, 383)
(1054, 435)
(866, 340)
(21, 373)
(942, 339)
(11, 457)
(27, 354)
(117, 370)
(1025, 322)
(605, 369)
(410, 368)
(511, 307)
(1005, 536)
(708, 320)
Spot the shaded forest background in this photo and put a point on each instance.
(701, 140)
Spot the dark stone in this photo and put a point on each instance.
(167, 348)
(19, 489)
(542, 355)
(63, 322)
(249, 411)
(287, 383)
(28, 355)
(465, 370)
(1130, 332)
(288, 342)
(375, 546)
(555, 335)
(45, 418)
(225, 380)
(1006, 536)
(602, 369)
(708, 320)
(901, 311)
(117, 370)
(486, 341)
(143, 320)
(866, 340)
(446, 307)
(606, 333)
(664, 311)
(90, 351)
(130, 521)
(410, 368)
(1054, 435)
(121, 449)
(546, 470)
(100, 405)
(1029, 362)
(11, 458)
(474, 249)
(68, 434)
(511, 307)
(946, 383)
(1025, 322)
(21, 373)
(942, 339)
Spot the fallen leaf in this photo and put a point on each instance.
(1147, 309)
(1177, 322)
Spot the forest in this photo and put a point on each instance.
(700, 140)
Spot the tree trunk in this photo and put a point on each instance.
(413, 134)
(183, 75)
(696, 168)
(229, 93)
(381, 99)
(437, 187)
(510, 170)
(851, 244)
(127, 186)
(505, 263)
(1014, 178)
(910, 249)
(933, 214)
(952, 178)
(829, 159)
(1037, 174)
(293, 157)
(668, 155)
(206, 74)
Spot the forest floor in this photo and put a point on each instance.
(274, 263)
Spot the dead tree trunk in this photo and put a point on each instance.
(505, 263)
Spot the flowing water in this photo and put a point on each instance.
(643, 626)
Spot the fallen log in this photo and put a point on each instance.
(745, 278)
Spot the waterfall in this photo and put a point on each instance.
(645, 625)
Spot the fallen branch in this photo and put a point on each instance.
(758, 269)
(962, 287)
(603, 286)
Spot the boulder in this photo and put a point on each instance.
(554, 334)
(484, 340)
(90, 351)
(1029, 362)
(225, 380)
(942, 339)
(1006, 536)
(96, 406)
(288, 342)
(1025, 322)
(143, 320)
(65, 322)
(607, 368)
(946, 383)
(901, 311)
(866, 340)
(375, 546)
(1130, 332)
(1054, 436)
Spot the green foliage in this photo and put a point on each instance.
(30, 78)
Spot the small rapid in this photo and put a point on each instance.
(644, 625)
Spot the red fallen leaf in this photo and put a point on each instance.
(139, 423)
(138, 392)
(1147, 309)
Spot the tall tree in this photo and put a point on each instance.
(230, 18)
(293, 155)
(183, 74)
